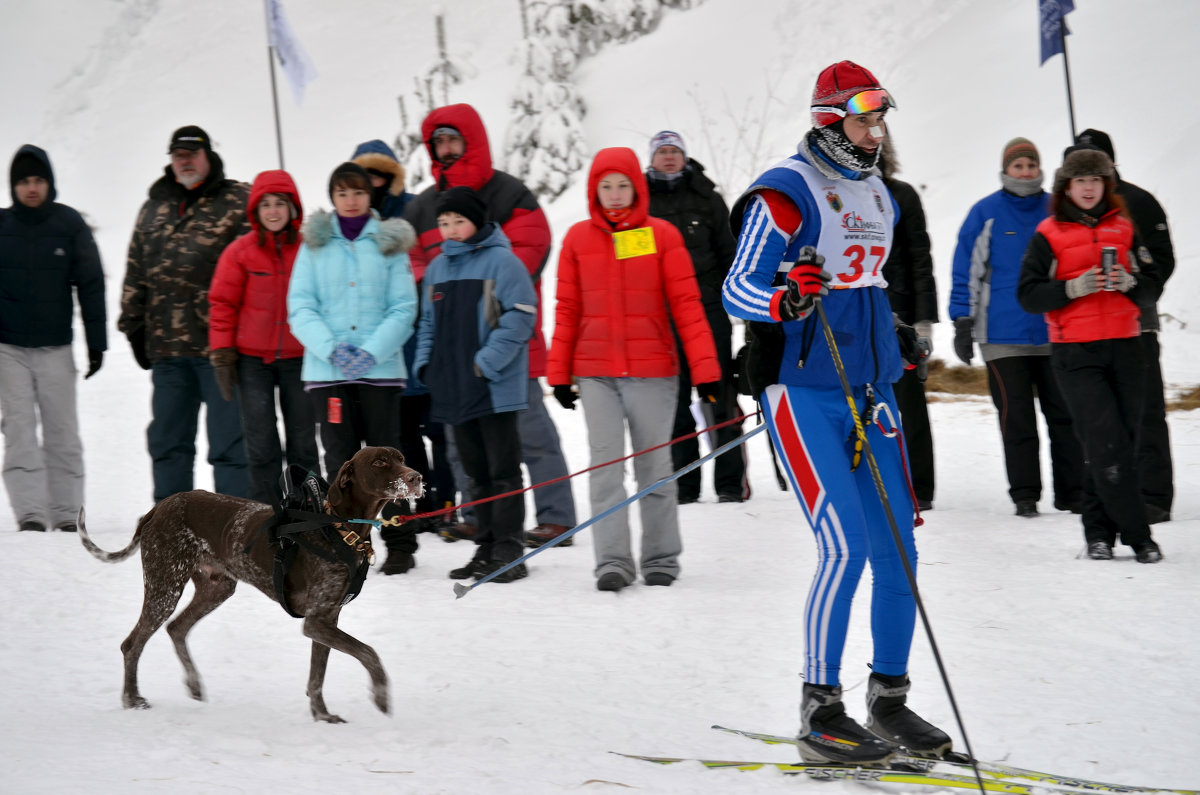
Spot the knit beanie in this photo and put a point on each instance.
(25, 165)
(465, 202)
(667, 138)
(1098, 139)
(835, 86)
(350, 174)
(1085, 161)
(1018, 147)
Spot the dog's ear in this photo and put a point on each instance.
(341, 483)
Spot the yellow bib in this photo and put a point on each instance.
(634, 242)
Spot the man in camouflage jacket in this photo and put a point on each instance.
(192, 214)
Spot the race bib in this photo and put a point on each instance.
(634, 243)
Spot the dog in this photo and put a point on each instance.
(216, 540)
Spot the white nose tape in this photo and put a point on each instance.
(876, 131)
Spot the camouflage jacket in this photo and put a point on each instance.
(172, 257)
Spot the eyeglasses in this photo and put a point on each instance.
(874, 100)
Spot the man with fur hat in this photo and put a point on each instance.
(46, 248)
(823, 216)
(193, 212)
(1154, 441)
(461, 156)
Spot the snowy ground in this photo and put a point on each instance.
(1059, 663)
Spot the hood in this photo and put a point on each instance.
(623, 160)
(474, 168)
(279, 182)
(392, 236)
(379, 156)
(29, 150)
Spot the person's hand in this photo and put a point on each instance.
(1091, 281)
(925, 332)
(565, 396)
(359, 366)
(224, 364)
(95, 359)
(137, 341)
(710, 392)
(806, 281)
(343, 354)
(1121, 280)
(964, 343)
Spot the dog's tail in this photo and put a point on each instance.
(112, 557)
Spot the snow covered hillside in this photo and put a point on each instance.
(1057, 662)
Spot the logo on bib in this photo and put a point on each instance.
(835, 201)
(853, 222)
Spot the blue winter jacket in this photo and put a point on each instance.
(987, 266)
(478, 308)
(357, 291)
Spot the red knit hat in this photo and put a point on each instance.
(835, 85)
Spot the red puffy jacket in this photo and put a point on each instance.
(611, 317)
(248, 295)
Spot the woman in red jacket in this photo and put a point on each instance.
(618, 273)
(1087, 272)
(251, 345)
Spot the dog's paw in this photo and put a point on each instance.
(381, 699)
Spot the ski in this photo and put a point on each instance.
(866, 775)
(961, 764)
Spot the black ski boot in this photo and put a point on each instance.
(828, 734)
(889, 718)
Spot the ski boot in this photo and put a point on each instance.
(890, 719)
(828, 734)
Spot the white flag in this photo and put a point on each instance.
(292, 57)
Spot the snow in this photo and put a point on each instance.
(1057, 662)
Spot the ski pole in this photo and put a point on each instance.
(461, 590)
(877, 476)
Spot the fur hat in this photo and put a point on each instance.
(1085, 161)
(835, 85)
(1018, 147)
(465, 202)
(667, 138)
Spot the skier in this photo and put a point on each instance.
(826, 206)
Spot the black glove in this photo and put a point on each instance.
(137, 341)
(806, 281)
(710, 392)
(964, 343)
(565, 396)
(224, 364)
(910, 349)
(95, 359)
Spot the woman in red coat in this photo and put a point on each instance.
(619, 272)
(1087, 272)
(251, 345)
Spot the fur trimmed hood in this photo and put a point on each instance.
(393, 236)
(379, 156)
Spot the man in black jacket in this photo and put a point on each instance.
(682, 194)
(46, 248)
(1154, 441)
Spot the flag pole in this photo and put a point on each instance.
(1062, 34)
(274, 93)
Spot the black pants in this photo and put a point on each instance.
(258, 383)
(415, 427)
(729, 471)
(1154, 447)
(1103, 383)
(490, 449)
(918, 437)
(1014, 382)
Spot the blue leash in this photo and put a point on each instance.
(461, 590)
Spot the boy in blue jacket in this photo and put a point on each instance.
(478, 308)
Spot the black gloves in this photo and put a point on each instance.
(964, 343)
(137, 341)
(805, 282)
(95, 359)
(565, 396)
(224, 364)
(710, 392)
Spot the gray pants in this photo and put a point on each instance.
(647, 406)
(541, 452)
(44, 478)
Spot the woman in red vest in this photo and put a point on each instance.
(1087, 271)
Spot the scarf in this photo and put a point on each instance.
(1022, 187)
(352, 227)
(615, 217)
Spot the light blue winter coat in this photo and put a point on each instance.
(357, 291)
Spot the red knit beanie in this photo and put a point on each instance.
(835, 85)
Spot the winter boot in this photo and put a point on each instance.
(400, 545)
(889, 718)
(828, 734)
(546, 532)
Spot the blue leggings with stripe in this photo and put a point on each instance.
(813, 433)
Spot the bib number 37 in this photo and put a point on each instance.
(857, 255)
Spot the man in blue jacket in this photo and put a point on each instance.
(46, 249)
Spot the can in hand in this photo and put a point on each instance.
(333, 411)
(1108, 261)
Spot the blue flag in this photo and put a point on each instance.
(1051, 18)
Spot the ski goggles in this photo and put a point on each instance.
(874, 100)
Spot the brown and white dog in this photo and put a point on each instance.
(203, 537)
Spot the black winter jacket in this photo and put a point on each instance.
(694, 207)
(44, 252)
(909, 268)
(1150, 223)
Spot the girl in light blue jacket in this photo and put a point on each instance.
(352, 303)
